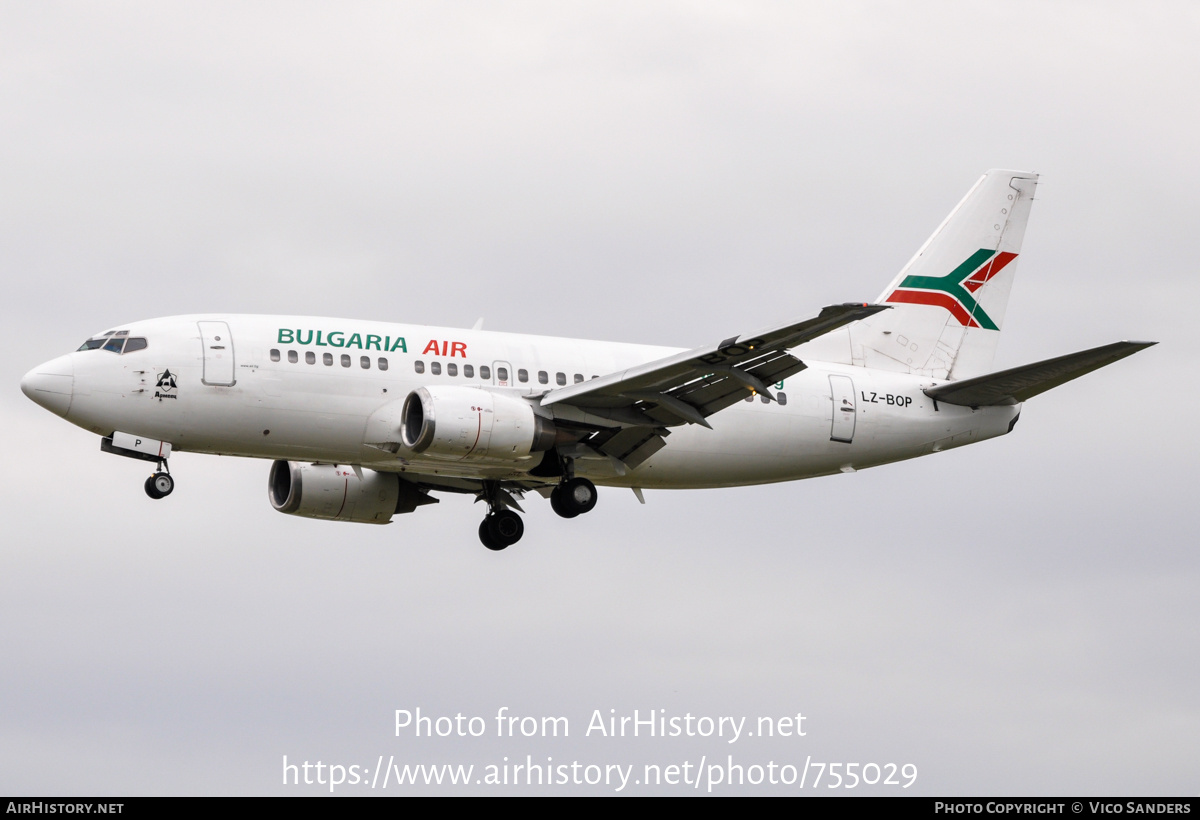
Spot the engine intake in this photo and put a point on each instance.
(335, 492)
(466, 423)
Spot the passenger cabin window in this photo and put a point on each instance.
(469, 371)
(502, 374)
(781, 398)
(522, 375)
(327, 358)
(383, 364)
(451, 369)
(365, 362)
(293, 357)
(560, 378)
(310, 357)
(485, 372)
(345, 360)
(543, 377)
(274, 355)
(765, 400)
(435, 368)
(419, 366)
(578, 378)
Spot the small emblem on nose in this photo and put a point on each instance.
(165, 386)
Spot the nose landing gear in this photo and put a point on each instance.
(160, 485)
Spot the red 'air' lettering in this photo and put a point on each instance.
(439, 347)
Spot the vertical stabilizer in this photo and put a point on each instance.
(948, 302)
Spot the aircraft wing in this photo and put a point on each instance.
(688, 387)
(1021, 383)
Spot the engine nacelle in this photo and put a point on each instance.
(466, 423)
(336, 493)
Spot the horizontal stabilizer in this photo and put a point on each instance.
(1021, 383)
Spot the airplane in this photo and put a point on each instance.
(364, 420)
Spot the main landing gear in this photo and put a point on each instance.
(160, 485)
(573, 497)
(502, 527)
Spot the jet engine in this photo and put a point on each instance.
(466, 423)
(337, 492)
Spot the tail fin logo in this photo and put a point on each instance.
(954, 290)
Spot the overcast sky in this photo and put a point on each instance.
(1017, 617)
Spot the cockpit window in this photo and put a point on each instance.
(117, 342)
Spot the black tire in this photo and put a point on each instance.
(485, 536)
(163, 484)
(151, 490)
(556, 503)
(578, 495)
(505, 527)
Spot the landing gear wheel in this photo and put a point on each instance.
(163, 484)
(159, 485)
(485, 535)
(557, 504)
(574, 497)
(505, 527)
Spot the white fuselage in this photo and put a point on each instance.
(261, 397)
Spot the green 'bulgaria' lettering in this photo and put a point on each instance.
(337, 338)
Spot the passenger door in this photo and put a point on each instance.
(844, 411)
(217, 342)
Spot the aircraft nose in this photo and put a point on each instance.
(51, 385)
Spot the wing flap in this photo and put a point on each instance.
(628, 412)
(1020, 383)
